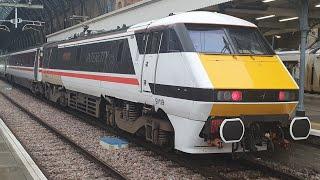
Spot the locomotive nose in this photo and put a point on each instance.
(232, 130)
(300, 128)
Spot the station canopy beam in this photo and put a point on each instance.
(21, 5)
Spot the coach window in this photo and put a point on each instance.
(20, 59)
(153, 42)
(66, 58)
(94, 56)
(120, 49)
(29, 59)
(149, 43)
(126, 62)
(11, 62)
(156, 38)
(53, 58)
(46, 57)
(141, 42)
(81, 57)
(87, 58)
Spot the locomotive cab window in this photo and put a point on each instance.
(174, 44)
(210, 40)
(249, 41)
(228, 40)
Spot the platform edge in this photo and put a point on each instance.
(28, 162)
(315, 132)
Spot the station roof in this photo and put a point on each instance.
(250, 10)
(270, 15)
(5, 11)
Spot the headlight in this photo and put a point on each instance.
(229, 96)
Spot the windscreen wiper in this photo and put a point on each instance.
(226, 46)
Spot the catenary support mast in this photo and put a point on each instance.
(304, 27)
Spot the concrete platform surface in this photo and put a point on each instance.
(15, 162)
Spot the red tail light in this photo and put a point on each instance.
(288, 96)
(215, 124)
(236, 96)
(282, 96)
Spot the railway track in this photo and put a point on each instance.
(206, 165)
(255, 163)
(184, 159)
(105, 166)
(194, 164)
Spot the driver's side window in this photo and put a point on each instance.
(170, 42)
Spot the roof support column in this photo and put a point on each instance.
(16, 17)
(304, 28)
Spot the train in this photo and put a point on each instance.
(312, 67)
(198, 82)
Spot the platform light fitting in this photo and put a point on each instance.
(265, 17)
(317, 6)
(277, 36)
(288, 19)
(266, 1)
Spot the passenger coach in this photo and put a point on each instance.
(22, 67)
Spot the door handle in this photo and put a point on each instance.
(147, 64)
(144, 82)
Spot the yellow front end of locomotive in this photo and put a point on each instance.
(246, 72)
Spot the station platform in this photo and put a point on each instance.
(15, 162)
(312, 106)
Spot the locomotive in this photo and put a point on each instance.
(198, 82)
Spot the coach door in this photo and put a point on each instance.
(150, 61)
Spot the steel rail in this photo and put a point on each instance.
(255, 164)
(312, 141)
(106, 167)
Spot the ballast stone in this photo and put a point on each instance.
(109, 142)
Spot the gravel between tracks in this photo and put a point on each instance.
(60, 160)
